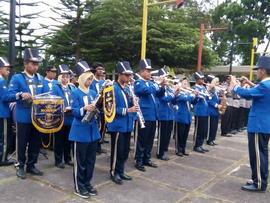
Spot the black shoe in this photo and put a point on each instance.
(198, 149)
(60, 165)
(252, 188)
(6, 163)
(214, 143)
(226, 135)
(234, 132)
(179, 154)
(116, 178)
(210, 143)
(150, 164)
(250, 182)
(140, 167)
(204, 149)
(124, 176)
(164, 157)
(92, 191)
(185, 154)
(102, 151)
(69, 163)
(84, 194)
(33, 170)
(21, 173)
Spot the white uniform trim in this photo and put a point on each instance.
(159, 135)
(115, 154)
(82, 111)
(136, 137)
(75, 168)
(84, 68)
(5, 139)
(4, 62)
(258, 161)
(195, 131)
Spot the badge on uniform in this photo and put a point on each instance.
(109, 104)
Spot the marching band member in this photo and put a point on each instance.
(201, 113)
(62, 146)
(49, 80)
(84, 135)
(242, 110)
(183, 118)
(73, 79)
(4, 113)
(226, 119)
(22, 87)
(122, 125)
(258, 125)
(146, 91)
(214, 107)
(165, 119)
(235, 114)
(98, 70)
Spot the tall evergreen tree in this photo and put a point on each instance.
(65, 40)
(3, 32)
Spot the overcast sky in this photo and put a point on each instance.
(48, 13)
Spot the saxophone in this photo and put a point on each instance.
(90, 114)
(223, 102)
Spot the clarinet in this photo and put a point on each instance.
(139, 113)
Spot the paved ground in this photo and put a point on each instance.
(213, 177)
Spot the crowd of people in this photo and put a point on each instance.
(147, 105)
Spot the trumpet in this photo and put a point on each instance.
(190, 90)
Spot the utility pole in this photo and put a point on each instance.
(11, 43)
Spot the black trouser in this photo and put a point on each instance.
(241, 117)
(235, 119)
(62, 145)
(213, 128)
(84, 162)
(27, 136)
(164, 136)
(226, 120)
(102, 131)
(258, 157)
(145, 142)
(246, 115)
(120, 146)
(201, 130)
(7, 139)
(181, 136)
(3, 139)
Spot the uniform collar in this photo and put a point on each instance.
(199, 85)
(96, 79)
(64, 86)
(28, 75)
(48, 79)
(265, 79)
(84, 90)
(144, 79)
